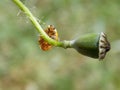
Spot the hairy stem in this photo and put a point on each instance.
(37, 25)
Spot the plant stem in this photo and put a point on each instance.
(37, 25)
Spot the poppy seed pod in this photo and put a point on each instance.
(92, 45)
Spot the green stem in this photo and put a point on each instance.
(37, 25)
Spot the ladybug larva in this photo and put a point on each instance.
(52, 33)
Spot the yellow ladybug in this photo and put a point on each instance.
(52, 33)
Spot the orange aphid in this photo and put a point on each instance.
(52, 33)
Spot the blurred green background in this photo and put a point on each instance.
(23, 66)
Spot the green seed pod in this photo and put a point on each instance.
(92, 45)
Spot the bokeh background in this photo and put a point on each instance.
(23, 66)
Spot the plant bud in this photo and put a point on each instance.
(92, 45)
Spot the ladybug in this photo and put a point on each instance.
(52, 33)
